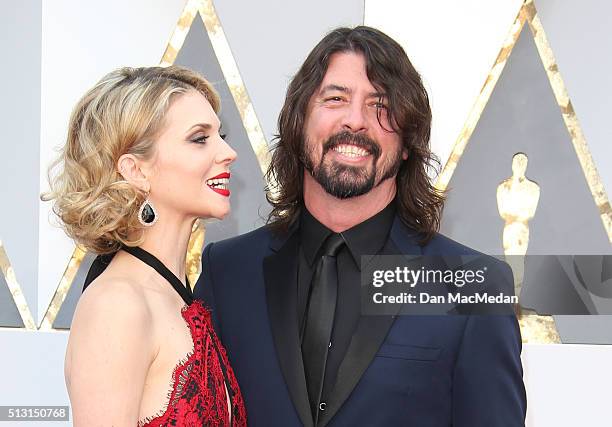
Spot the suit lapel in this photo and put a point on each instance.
(280, 275)
(371, 331)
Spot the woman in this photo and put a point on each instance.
(143, 161)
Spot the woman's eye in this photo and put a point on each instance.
(200, 139)
(334, 98)
(380, 105)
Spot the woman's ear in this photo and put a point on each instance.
(128, 166)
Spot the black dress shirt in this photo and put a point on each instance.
(366, 238)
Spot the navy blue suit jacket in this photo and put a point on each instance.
(461, 371)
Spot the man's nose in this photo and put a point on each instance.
(355, 119)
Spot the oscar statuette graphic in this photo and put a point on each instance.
(517, 201)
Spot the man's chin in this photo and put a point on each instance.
(348, 195)
(345, 189)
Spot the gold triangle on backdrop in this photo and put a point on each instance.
(16, 293)
(534, 328)
(528, 14)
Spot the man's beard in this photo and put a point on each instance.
(345, 181)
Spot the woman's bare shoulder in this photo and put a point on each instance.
(114, 298)
(113, 311)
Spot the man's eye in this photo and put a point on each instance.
(334, 98)
(380, 105)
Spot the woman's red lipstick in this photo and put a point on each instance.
(220, 184)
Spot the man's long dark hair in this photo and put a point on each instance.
(419, 204)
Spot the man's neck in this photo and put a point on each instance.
(341, 214)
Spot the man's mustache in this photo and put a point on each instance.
(359, 140)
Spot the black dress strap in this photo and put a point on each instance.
(97, 267)
(184, 291)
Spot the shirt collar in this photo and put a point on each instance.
(366, 238)
(312, 235)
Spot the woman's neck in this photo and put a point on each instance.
(168, 241)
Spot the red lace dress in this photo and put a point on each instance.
(198, 396)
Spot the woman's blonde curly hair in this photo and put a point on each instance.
(123, 113)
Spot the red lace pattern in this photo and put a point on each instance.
(198, 394)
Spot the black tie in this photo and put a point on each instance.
(320, 319)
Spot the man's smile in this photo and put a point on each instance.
(350, 153)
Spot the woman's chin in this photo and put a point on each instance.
(219, 214)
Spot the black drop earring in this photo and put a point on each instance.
(147, 214)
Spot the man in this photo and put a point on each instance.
(351, 171)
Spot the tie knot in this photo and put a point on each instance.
(333, 244)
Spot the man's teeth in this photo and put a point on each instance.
(221, 183)
(351, 150)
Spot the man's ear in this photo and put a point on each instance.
(128, 166)
(405, 153)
